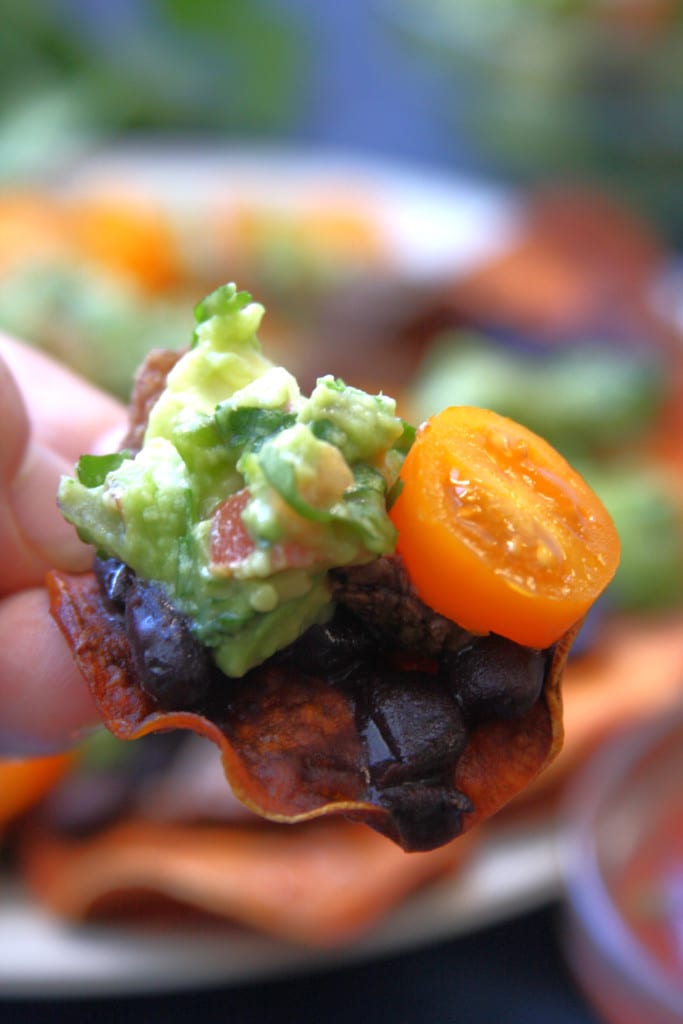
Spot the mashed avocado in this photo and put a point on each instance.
(245, 492)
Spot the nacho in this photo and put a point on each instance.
(321, 884)
(367, 620)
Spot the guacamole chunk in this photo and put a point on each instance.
(245, 492)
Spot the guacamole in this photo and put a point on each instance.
(245, 492)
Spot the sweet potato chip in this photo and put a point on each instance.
(634, 671)
(321, 883)
(291, 744)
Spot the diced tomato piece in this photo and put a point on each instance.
(230, 541)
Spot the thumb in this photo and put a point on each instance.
(33, 535)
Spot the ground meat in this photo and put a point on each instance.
(381, 594)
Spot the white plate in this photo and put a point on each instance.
(433, 224)
(436, 226)
(515, 870)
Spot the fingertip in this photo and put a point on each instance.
(33, 503)
(66, 412)
(45, 704)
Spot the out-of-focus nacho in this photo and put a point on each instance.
(321, 883)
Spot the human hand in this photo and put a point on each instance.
(49, 418)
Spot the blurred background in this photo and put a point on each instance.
(451, 201)
(574, 89)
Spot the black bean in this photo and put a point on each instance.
(115, 579)
(381, 759)
(380, 593)
(173, 668)
(420, 723)
(333, 650)
(426, 815)
(496, 678)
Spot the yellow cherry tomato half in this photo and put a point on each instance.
(497, 531)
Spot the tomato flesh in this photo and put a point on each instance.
(497, 531)
(230, 541)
